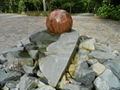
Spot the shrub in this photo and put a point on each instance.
(115, 14)
(104, 11)
(109, 11)
(21, 6)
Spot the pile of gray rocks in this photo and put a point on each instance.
(47, 61)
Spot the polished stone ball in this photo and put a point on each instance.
(59, 21)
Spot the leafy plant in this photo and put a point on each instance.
(109, 11)
(104, 11)
(115, 13)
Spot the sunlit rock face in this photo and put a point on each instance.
(59, 21)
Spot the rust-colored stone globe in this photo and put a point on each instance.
(59, 21)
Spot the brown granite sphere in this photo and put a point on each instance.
(59, 21)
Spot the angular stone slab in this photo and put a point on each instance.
(6, 76)
(13, 50)
(102, 56)
(59, 55)
(43, 36)
(114, 65)
(107, 81)
(75, 87)
(2, 59)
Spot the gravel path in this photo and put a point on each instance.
(13, 28)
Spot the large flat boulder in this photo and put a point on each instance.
(59, 55)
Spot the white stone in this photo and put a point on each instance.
(98, 68)
(88, 44)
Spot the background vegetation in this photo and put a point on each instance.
(103, 8)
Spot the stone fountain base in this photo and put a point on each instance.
(47, 61)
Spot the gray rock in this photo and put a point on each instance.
(102, 56)
(42, 45)
(107, 81)
(31, 83)
(62, 44)
(83, 52)
(117, 58)
(2, 59)
(13, 63)
(81, 65)
(13, 50)
(83, 57)
(42, 77)
(31, 46)
(45, 87)
(42, 40)
(116, 52)
(19, 44)
(75, 87)
(114, 89)
(4, 88)
(60, 53)
(73, 81)
(1, 66)
(26, 61)
(33, 53)
(92, 61)
(16, 61)
(12, 85)
(28, 69)
(6, 76)
(85, 76)
(42, 86)
(103, 47)
(11, 59)
(98, 68)
(103, 42)
(114, 65)
(43, 36)
(25, 41)
(27, 83)
(39, 74)
(83, 38)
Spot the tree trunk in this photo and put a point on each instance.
(44, 5)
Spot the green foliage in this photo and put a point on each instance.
(103, 8)
(115, 13)
(105, 11)
(78, 7)
(109, 11)
(21, 6)
(74, 6)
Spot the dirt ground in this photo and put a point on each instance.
(14, 27)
